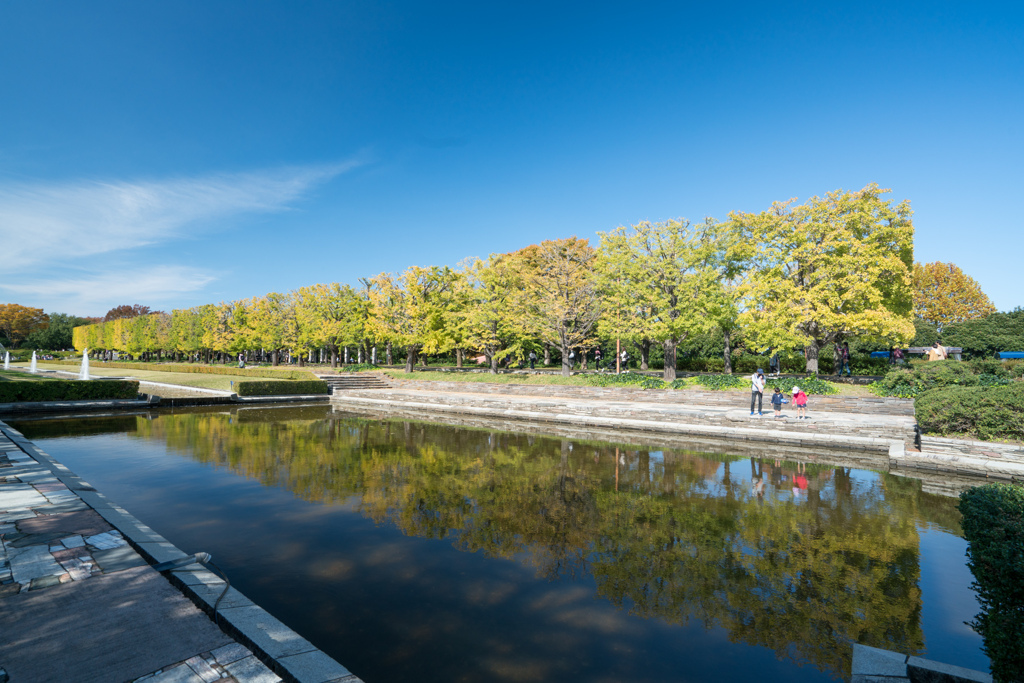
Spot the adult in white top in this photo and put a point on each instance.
(757, 382)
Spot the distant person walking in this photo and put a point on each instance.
(533, 359)
(844, 359)
(773, 364)
(757, 391)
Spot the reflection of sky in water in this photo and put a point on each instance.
(393, 606)
(948, 601)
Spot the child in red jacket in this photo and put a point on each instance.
(800, 402)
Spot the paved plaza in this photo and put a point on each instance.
(79, 603)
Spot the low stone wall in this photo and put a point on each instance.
(885, 426)
(847, 404)
(871, 435)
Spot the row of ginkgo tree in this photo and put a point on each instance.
(802, 275)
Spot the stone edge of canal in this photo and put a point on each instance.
(288, 654)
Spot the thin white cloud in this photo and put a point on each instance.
(97, 293)
(49, 224)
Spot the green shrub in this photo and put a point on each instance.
(626, 378)
(720, 381)
(988, 380)
(280, 387)
(993, 524)
(68, 390)
(359, 367)
(988, 366)
(984, 412)
(809, 385)
(901, 382)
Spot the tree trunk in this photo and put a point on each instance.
(566, 361)
(670, 360)
(273, 358)
(645, 355)
(334, 356)
(458, 357)
(360, 357)
(345, 358)
(811, 353)
(583, 359)
(387, 354)
(410, 358)
(547, 355)
(302, 360)
(494, 363)
(727, 354)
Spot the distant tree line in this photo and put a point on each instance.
(802, 277)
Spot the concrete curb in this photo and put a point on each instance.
(284, 651)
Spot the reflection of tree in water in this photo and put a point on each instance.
(798, 558)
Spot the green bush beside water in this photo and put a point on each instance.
(993, 524)
(985, 412)
(67, 390)
(280, 388)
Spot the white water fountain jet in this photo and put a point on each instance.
(7, 360)
(32, 366)
(83, 373)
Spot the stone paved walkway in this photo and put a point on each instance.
(78, 603)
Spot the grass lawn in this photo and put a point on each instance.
(185, 379)
(15, 376)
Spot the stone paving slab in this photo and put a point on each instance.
(75, 594)
(114, 627)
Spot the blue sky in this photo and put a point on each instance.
(179, 153)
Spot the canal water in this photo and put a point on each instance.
(412, 551)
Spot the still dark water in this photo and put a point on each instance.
(412, 551)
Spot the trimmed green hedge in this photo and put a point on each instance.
(280, 388)
(198, 369)
(993, 524)
(68, 390)
(987, 412)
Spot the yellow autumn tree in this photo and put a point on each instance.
(944, 294)
(835, 266)
(563, 294)
(17, 321)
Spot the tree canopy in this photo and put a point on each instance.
(827, 269)
(17, 322)
(944, 294)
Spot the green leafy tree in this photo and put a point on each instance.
(827, 269)
(563, 295)
(666, 277)
(495, 321)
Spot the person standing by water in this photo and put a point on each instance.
(757, 383)
(800, 403)
(777, 400)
